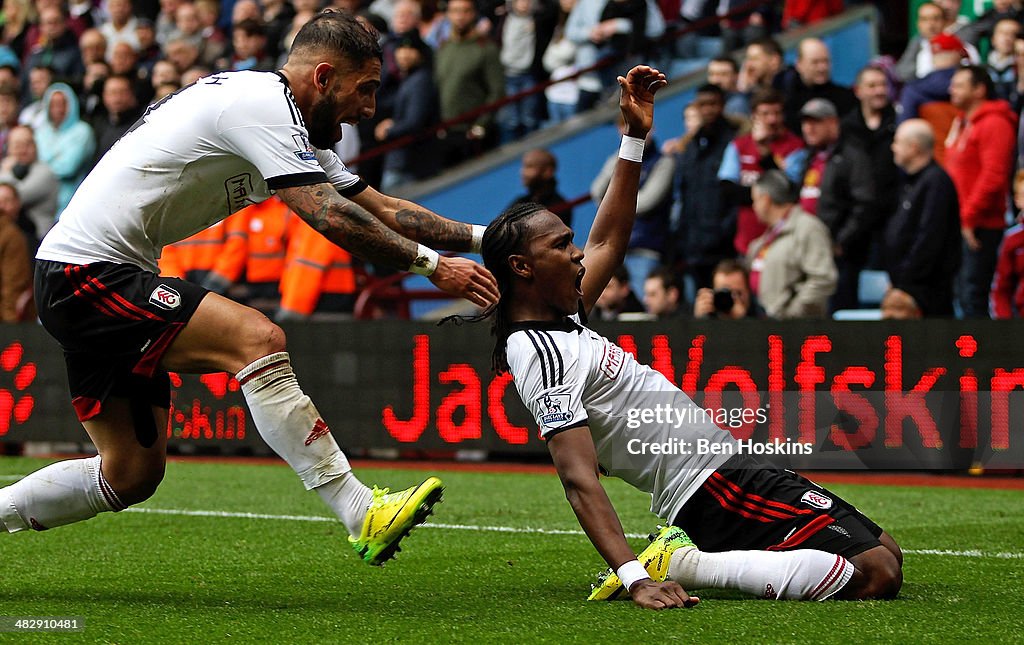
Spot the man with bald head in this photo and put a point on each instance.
(196, 157)
(538, 176)
(922, 239)
(812, 79)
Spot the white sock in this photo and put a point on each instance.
(61, 493)
(805, 574)
(290, 424)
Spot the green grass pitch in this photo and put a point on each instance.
(170, 578)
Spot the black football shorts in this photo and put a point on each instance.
(114, 323)
(749, 505)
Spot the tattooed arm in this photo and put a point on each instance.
(416, 222)
(351, 227)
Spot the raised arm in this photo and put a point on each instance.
(354, 229)
(416, 222)
(576, 461)
(606, 246)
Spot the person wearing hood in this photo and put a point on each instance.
(979, 157)
(66, 143)
(416, 107)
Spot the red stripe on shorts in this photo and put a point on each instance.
(742, 499)
(757, 498)
(729, 506)
(85, 407)
(156, 350)
(89, 294)
(801, 536)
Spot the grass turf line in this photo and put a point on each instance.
(139, 578)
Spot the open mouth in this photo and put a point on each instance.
(579, 281)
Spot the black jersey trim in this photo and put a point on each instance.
(565, 324)
(290, 99)
(540, 355)
(551, 359)
(297, 179)
(554, 431)
(354, 189)
(550, 342)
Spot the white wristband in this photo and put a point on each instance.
(478, 238)
(631, 149)
(630, 572)
(425, 262)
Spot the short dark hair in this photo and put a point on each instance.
(728, 60)
(708, 88)
(669, 279)
(766, 96)
(769, 45)
(120, 77)
(980, 76)
(250, 27)
(730, 266)
(870, 67)
(339, 32)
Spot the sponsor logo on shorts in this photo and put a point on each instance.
(556, 410)
(817, 500)
(165, 297)
(769, 592)
(840, 530)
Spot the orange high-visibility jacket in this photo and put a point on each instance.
(314, 266)
(199, 252)
(257, 243)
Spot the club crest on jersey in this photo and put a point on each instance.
(165, 297)
(305, 151)
(817, 500)
(556, 410)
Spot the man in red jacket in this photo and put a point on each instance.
(979, 158)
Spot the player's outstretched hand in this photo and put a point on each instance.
(636, 98)
(661, 595)
(465, 278)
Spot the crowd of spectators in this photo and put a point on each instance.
(74, 78)
(807, 184)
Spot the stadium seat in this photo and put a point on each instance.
(871, 287)
(857, 314)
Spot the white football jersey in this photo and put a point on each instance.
(570, 376)
(194, 158)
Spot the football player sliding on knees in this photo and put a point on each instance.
(733, 521)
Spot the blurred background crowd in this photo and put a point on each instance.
(788, 196)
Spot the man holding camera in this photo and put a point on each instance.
(730, 296)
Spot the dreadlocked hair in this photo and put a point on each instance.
(503, 237)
